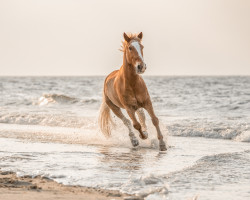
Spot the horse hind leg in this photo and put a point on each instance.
(117, 111)
(140, 113)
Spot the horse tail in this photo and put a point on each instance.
(105, 121)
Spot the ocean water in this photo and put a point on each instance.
(48, 126)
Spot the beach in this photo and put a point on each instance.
(191, 167)
(41, 188)
(51, 146)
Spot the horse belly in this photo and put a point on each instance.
(116, 102)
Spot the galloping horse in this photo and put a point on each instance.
(126, 89)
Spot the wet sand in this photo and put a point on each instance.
(40, 188)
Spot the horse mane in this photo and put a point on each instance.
(124, 42)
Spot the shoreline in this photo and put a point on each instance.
(40, 188)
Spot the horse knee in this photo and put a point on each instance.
(137, 126)
(155, 121)
(126, 121)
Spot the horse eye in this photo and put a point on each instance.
(130, 48)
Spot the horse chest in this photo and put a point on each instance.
(140, 99)
(133, 99)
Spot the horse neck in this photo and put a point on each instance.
(128, 71)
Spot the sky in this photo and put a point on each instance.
(77, 37)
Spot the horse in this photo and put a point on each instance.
(126, 89)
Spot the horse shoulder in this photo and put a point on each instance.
(110, 88)
(111, 76)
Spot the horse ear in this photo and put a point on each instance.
(140, 35)
(126, 37)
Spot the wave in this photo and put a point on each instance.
(47, 99)
(146, 185)
(91, 101)
(238, 132)
(220, 165)
(44, 119)
(55, 98)
(243, 137)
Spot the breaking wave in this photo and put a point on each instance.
(226, 130)
(55, 98)
(229, 162)
(44, 119)
(47, 99)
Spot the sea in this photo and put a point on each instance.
(49, 127)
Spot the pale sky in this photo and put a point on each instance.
(77, 37)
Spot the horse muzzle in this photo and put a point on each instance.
(141, 68)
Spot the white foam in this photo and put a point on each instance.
(88, 134)
(243, 137)
(44, 119)
(187, 128)
(146, 185)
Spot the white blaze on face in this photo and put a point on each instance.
(138, 49)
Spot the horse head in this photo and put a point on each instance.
(133, 50)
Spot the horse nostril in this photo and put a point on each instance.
(140, 67)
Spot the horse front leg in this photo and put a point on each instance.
(117, 111)
(148, 106)
(140, 113)
(136, 124)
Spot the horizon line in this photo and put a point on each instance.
(189, 75)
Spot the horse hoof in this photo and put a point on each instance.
(163, 146)
(134, 142)
(144, 135)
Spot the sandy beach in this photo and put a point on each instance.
(26, 187)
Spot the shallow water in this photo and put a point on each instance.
(48, 126)
(186, 170)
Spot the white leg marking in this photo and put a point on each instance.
(133, 139)
(142, 118)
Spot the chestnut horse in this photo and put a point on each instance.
(126, 89)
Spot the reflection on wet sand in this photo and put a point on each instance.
(128, 159)
(133, 159)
